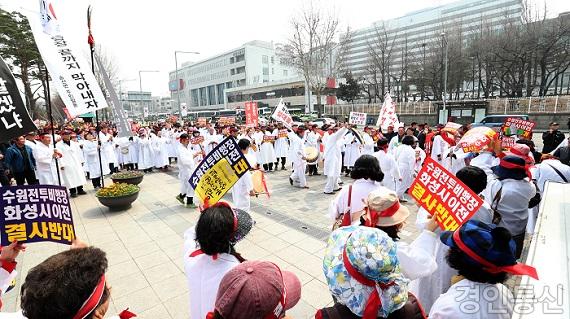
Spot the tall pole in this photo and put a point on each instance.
(445, 76)
(91, 42)
(48, 102)
(473, 78)
(423, 71)
(140, 95)
(177, 85)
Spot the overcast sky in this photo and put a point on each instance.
(143, 34)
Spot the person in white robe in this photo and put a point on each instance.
(71, 168)
(267, 152)
(388, 165)
(405, 156)
(292, 154)
(397, 139)
(333, 159)
(439, 148)
(242, 190)
(297, 177)
(45, 156)
(168, 132)
(197, 142)
(145, 153)
(368, 147)
(108, 148)
(133, 147)
(430, 288)
(212, 140)
(90, 149)
(352, 151)
(258, 139)
(312, 140)
(160, 148)
(420, 157)
(186, 165)
(281, 145)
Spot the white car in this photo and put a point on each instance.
(322, 121)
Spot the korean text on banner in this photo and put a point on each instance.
(35, 213)
(227, 120)
(282, 115)
(357, 118)
(251, 115)
(14, 119)
(519, 127)
(68, 68)
(219, 171)
(507, 143)
(387, 116)
(444, 196)
(477, 138)
(123, 126)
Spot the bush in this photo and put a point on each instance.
(117, 190)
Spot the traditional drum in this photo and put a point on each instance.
(311, 154)
(259, 182)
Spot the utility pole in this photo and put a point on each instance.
(178, 80)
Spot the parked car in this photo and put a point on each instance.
(324, 120)
(496, 121)
(297, 120)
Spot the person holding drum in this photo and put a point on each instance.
(333, 159)
(298, 178)
(281, 145)
(312, 143)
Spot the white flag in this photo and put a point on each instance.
(388, 114)
(69, 70)
(281, 114)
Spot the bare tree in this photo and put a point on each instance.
(316, 47)
(380, 51)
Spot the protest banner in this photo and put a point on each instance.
(183, 109)
(387, 116)
(507, 143)
(14, 118)
(70, 71)
(123, 127)
(520, 127)
(282, 115)
(444, 196)
(219, 171)
(35, 213)
(357, 118)
(283, 133)
(197, 140)
(202, 121)
(451, 127)
(251, 115)
(226, 120)
(477, 138)
(268, 138)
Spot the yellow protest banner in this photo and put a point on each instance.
(216, 182)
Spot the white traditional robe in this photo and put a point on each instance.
(240, 192)
(145, 158)
(186, 166)
(420, 158)
(333, 159)
(71, 169)
(390, 169)
(212, 141)
(45, 164)
(455, 164)
(108, 148)
(267, 152)
(160, 149)
(257, 140)
(352, 151)
(368, 147)
(281, 144)
(92, 160)
(134, 149)
(299, 163)
(439, 147)
(406, 158)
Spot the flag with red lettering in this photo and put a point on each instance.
(388, 116)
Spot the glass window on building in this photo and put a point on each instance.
(265, 71)
(220, 91)
(264, 59)
(272, 71)
(203, 97)
(194, 95)
(211, 95)
(272, 59)
(228, 85)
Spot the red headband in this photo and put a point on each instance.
(516, 269)
(373, 303)
(91, 303)
(388, 212)
(506, 164)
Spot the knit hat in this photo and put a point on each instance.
(383, 209)
(257, 289)
(363, 271)
(522, 151)
(511, 167)
(487, 246)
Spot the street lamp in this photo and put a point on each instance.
(444, 42)
(176, 78)
(423, 71)
(140, 87)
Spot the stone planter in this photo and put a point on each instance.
(133, 180)
(119, 202)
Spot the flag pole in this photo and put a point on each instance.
(48, 102)
(91, 42)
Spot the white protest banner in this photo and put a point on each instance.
(282, 115)
(388, 116)
(357, 118)
(68, 69)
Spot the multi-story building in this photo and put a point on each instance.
(408, 35)
(202, 84)
(134, 102)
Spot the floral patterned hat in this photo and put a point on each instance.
(363, 271)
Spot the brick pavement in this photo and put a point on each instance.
(144, 244)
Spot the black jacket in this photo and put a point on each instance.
(551, 140)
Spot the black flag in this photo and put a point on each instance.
(14, 118)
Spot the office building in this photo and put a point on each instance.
(202, 85)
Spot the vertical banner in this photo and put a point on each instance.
(251, 114)
(123, 127)
(219, 171)
(14, 118)
(444, 196)
(357, 118)
(282, 115)
(387, 116)
(69, 70)
(35, 213)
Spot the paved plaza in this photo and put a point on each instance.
(144, 244)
